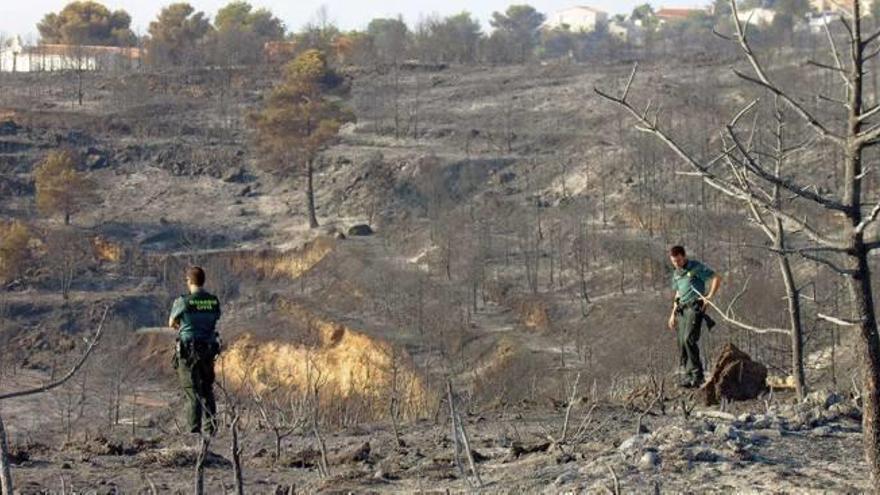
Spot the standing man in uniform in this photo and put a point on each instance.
(195, 316)
(689, 279)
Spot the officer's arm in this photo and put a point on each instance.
(176, 311)
(713, 286)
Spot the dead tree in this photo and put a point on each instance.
(283, 412)
(774, 229)
(572, 398)
(845, 247)
(6, 484)
(459, 433)
(5, 472)
(201, 458)
(315, 382)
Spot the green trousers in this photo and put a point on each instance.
(690, 322)
(195, 369)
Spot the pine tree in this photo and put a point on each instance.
(61, 188)
(15, 251)
(300, 118)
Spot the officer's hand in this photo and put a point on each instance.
(704, 303)
(671, 323)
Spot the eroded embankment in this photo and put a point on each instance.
(349, 368)
(346, 366)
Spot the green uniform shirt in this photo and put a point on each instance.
(690, 281)
(198, 314)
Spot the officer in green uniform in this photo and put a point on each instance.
(689, 279)
(195, 317)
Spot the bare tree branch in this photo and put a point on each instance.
(726, 187)
(786, 184)
(765, 82)
(870, 39)
(837, 321)
(824, 66)
(867, 221)
(869, 113)
(61, 381)
(745, 326)
(836, 54)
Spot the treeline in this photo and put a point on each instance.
(239, 34)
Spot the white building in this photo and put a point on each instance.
(837, 5)
(756, 17)
(627, 31)
(18, 57)
(584, 19)
(817, 22)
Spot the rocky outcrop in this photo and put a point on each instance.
(735, 377)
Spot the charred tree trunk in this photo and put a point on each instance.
(6, 486)
(861, 291)
(236, 457)
(277, 445)
(863, 306)
(310, 194)
(794, 314)
(201, 457)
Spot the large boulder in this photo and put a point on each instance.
(735, 377)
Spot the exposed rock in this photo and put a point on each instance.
(306, 458)
(649, 459)
(823, 398)
(705, 455)
(360, 230)
(18, 455)
(761, 421)
(517, 450)
(359, 454)
(180, 457)
(506, 177)
(479, 456)
(564, 458)
(632, 443)
(12, 186)
(95, 160)
(847, 410)
(822, 431)
(283, 490)
(446, 457)
(9, 128)
(236, 174)
(735, 377)
(726, 432)
(77, 138)
(566, 477)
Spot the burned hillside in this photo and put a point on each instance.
(515, 263)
